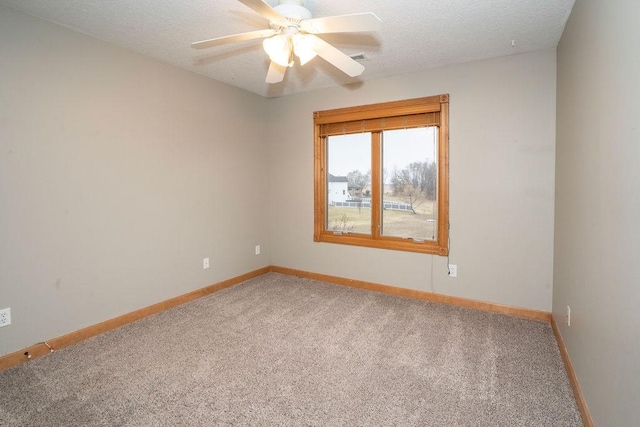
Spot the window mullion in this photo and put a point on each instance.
(376, 184)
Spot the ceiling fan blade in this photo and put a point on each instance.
(262, 8)
(275, 73)
(343, 23)
(232, 39)
(335, 57)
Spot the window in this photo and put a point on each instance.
(381, 175)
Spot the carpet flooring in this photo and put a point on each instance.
(281, 350)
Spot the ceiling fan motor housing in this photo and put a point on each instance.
(293, 9)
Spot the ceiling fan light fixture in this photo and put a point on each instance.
(278, 48)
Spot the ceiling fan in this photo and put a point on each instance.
(292, 30)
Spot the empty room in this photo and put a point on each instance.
(318, 212)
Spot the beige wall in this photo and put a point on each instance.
(502, 146)
(118, 175)
(597, 247)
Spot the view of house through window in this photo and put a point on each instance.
(349, 183)
(382, 175)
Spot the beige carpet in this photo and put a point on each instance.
(279, 350)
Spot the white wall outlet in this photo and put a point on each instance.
(453, 270)
(205, 263)
(568, 316)
(5, 317)
(257, 249)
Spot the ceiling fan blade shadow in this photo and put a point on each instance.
(337, 58)
(276, 73)
(204, 44)
(213, 56)
(356, 22)
(265, 10)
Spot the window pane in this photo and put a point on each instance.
(349, 183)
(409, 170)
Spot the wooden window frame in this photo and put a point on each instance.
(433, 110)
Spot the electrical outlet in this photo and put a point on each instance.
(453, 270)
(257, 249)
(568, 316)
(5, 317)
(205, 263)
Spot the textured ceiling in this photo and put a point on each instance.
(415, 35)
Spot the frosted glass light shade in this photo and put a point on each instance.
(278, 48)
(303, 47)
